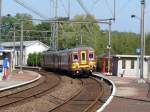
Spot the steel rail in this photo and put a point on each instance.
(35, 95)
(73, 97)
(98, 97)
(102, 77)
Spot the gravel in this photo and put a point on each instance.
(67, 88)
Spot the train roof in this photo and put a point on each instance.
(70, 50)
(81, 48)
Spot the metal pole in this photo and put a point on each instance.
(142, 39)
(14, 39)
(0, 17)
(69, 9)
(114, 10)
(109, 46)
(14, 57)
(21, 47)
(81, 40)
(144, 43)
(56, 27)
(51, 28)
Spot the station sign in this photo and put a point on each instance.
(138, 50)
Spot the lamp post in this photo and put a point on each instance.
(137, 49)
(142, 39)
(21, 48)
(0, 16)
(109, 45)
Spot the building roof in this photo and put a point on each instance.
(70, 50)
(128, 56)
(17, 43)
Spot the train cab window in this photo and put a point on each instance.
(83, 56)
(91, 56)
(75, 57)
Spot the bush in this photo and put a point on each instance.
(34, 59)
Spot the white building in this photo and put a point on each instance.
(128, 66)
(28, 47)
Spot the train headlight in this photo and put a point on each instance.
(75, 65)
(92, 65)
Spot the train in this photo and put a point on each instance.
(77, 61)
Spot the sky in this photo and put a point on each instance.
(100, 9)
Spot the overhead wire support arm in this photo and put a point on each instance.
(114, 18)
(103, 21)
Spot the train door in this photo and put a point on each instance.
(83, 57)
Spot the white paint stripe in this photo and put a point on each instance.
(24, 83)
(112, 95)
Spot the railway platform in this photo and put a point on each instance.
(130, 96)
(15, 79)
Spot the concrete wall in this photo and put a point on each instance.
(148, 70)
(131, 72)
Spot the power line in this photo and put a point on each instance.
(83, 6)
(29, 8)
(64, 7)
(123, 7)
(107, 4)
(96, 2)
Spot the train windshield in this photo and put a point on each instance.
(91, 56)
(83, 56)
(75, 57)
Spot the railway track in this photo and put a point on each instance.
(86, 100)
(15, 99)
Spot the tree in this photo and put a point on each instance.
(147, 44)
(34, 59)
(10, 21)
(72, 34)
(124, 43)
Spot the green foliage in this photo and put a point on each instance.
(15, 20)
(124, 43)
(30, 60)
(34, 59)
(71, 35)
(147, 44)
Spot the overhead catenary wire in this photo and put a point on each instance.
(123, 7)
(107, 4)
(96, 3)
(83, 6)
(64, 7)
(25, 5)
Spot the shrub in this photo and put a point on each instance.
(34, 59)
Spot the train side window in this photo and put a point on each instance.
(91, 56)
(75, 57)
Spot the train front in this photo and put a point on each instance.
(83, 61)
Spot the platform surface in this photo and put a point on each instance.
(15, 79)
(130, 96)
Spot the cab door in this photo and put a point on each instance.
(83, 57)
